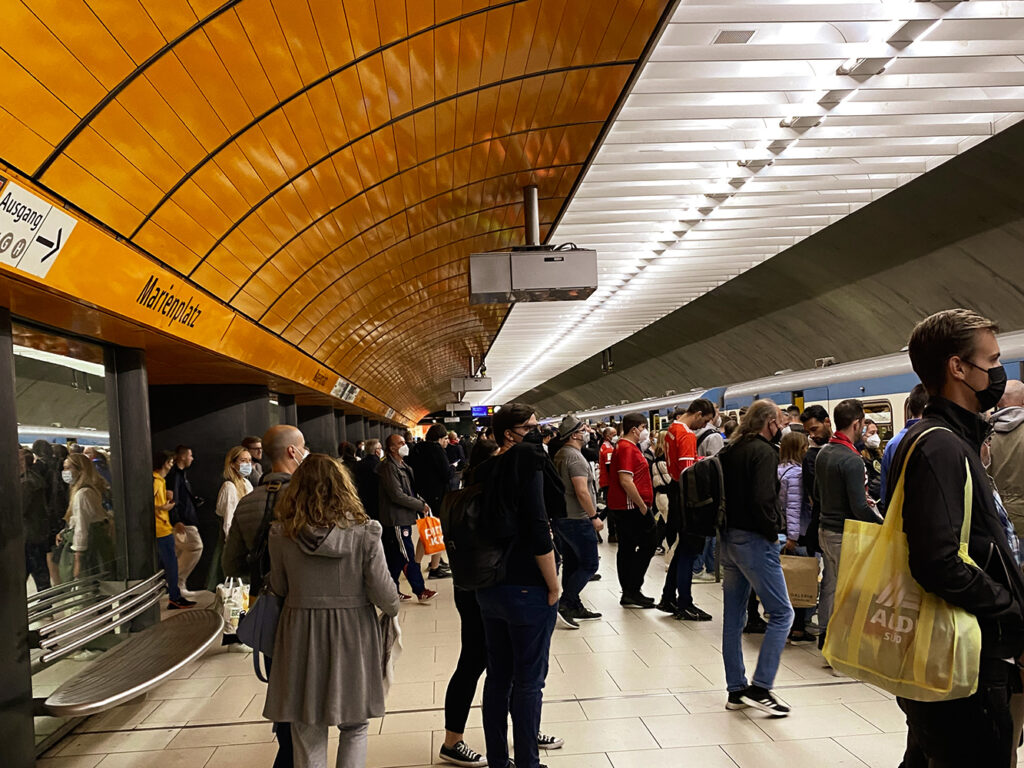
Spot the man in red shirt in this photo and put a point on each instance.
(630, 501)
(681, 453)
(604, 461)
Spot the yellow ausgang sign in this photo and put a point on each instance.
(96, 268)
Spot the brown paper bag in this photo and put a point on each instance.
(801, 575)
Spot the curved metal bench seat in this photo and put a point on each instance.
(138, 664)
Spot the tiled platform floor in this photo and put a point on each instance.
(634, 690)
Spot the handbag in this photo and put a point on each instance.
(801, 574)
(258, 626)
(907, 641)
(431, 535)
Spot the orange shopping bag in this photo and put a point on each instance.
(430, 534)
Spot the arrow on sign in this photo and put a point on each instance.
(50, 244)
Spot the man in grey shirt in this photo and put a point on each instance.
(576, 533)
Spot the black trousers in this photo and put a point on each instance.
(285, 754)
(977, 730)
(472, 663)
(637, 541)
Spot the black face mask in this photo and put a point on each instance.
(534, 436)
(993, 393)
(777, 437)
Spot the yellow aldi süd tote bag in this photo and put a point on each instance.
(885, 629)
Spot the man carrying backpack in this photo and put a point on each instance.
(749, 552)
(285, 446)
(681, 452)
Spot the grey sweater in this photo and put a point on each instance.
(839, 487)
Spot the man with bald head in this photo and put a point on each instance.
(1007, 467)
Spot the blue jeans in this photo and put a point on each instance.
(400, 556)
(750, 560)
(517, 624)
(577, 541)
(168, 557)
(706, 560)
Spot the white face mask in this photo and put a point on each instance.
(303, 456)
(380, 453)
(873, 441)
(585, 438)
(645, 436)
(245, 469)
(66, 476)
(403, 451)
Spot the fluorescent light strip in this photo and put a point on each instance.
(62, 360)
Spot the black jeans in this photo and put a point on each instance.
(472, 663)
(35, 564)
(637, 543)
(517, 623)
(977, 730)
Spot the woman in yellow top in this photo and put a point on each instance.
(162, 463)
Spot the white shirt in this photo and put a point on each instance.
(227, 502)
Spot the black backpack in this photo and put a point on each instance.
(702, 497)
(477, 547)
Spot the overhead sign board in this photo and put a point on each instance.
(471, 384)
(483, 410)
(452, 419)
(32, 231)
(457, 407)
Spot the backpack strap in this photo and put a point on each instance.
(255, 558)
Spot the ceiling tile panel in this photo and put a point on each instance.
(326, 168)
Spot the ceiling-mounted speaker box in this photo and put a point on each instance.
(532, 274)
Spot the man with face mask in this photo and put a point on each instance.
(839, 490)
(631, 503)
(956, 355)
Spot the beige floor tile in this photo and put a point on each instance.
(413, 672)
(242, 756)
(702, 702)
(224, 665)
(704, 729)
(693, 651)
(786, 754)
(633, 706)
(596, 736)
(186, 689)
(684, 677)
(427, 720)
(615, 642)
(125, 716)
(168, 758)
(185, 672)
(562, 644)
(577, 664)
(704, 757)
(556, 760)
(76, 761)
(560, 685)
(812, 722)
(241, 688)
(125, 741)
(406, 696)
(885, 715)
(218, 736)
(877, 751)
(386, 751)
(841, 693)
(216, 709)
(255, 709)
(562, 712)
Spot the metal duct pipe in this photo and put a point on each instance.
(531, 213)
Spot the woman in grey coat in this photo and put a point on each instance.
(327, 562)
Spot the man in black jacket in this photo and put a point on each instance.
(956, 355)
(749, 553)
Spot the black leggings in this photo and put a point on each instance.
(472, 663)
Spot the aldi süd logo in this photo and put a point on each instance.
(894, 611)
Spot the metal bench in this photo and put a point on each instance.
(126, 670)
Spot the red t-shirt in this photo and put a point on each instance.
(680, 448)
(627, 458)
(604, 459)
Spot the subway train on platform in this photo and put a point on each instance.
(68, 436)
(881, 383)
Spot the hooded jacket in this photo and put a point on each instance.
(1008, 461)
(933, 514)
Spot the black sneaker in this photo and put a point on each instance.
(692, 613)
(566, 618)
(797, 637)
(582, 614)
(549, 742)
(636, 601)
(460, 754)
(438, 573)
(735, 701)
(667, 606)
(763, 699)
(755, 627)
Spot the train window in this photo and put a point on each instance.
(880, 412)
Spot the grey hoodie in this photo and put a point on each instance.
(1007, 467)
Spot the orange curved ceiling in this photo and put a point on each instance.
(322, 166)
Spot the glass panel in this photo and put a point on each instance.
(880, 412)
(74, 554)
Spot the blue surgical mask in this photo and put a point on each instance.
(245, 469)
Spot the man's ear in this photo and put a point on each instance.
(955, 368)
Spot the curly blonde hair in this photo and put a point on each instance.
(320, 495)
